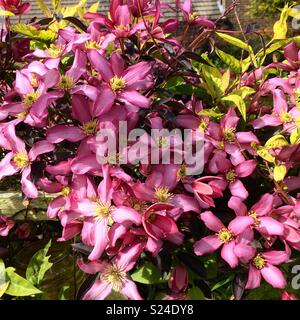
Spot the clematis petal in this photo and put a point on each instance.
(206, 245)
(273, 276)
(211, 221)
(254, 278)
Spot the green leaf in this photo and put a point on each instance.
(244, 91)
(264, 153)
(295, 136)
(147, 274)
(213, 81)
(33, 33)
(18, 286)
(213, 113)
(280, 27)
(277, 141)
(44, 8)
(64, 293)
(3, 283)
(264, 292)
(235, 41)
(238, 101)
(279, 173)
(3, 288)
(222, 283)
(38, 265)
(233, 63)
(195, 294)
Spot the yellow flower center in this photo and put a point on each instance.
(285, 117)
(151, 216)
(117, 84)
(115, 276)
(228, 134)
(91, 127)
(182, 171)
(203, 126)
(92, 45)
(65, 83)
(102, 210)
(22, 115)
(225, 235)
(136, 204)
(162, 142)
(65, 191)
(21, 160)
(297, 97)
(34, 80)
(54, 51)
(162, 194)
(230, 176)
(121, 27)
(193, 16)
(259, 262)
(253, 215)
(113, 158)
(30, 98)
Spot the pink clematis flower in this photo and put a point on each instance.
(6, 224)
(119, 21)
(121, 84)
(281, 114)
(207, 188)
(231, 173)
(192, 18)
(19, 160)
(261, 214)
(114, 275)
(15, 6)
(99, 213)
(224, 237)
(179, 279)
(263, 264)
(224, 137)
(160, 225)
(31, 86)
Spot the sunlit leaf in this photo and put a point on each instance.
(18, 286)
(39, 265)
(280, 27)
(147, 274)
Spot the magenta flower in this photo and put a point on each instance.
(281, 114)
(261, 214)
(224, 137)
(224, 237)
(120, 84)
(31, 86)
(263, 265)
(206, 189)
(119, 21)
(6, 224)
(178, 279)
(159, 225)
(19, 160)
(15, 6)
(192, 18)
(113, 275)
(232, 174)
(99, 213)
